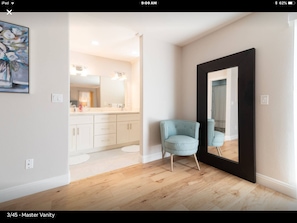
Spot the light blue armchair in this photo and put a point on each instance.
(214, 138)
(179, 137)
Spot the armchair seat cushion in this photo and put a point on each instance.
(181, 145)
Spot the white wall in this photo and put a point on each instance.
(31, 125)
(99, 65)
(161, 94)
(272, 37)
(134, 86)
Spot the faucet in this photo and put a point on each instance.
(74, 108)
(122, 107)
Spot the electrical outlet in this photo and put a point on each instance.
(29, 163)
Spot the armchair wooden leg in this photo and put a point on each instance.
(219, 151)
(196, 161)
(171, 161)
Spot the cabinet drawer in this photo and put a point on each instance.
(105, 128)
(84, 119)
(128, 117)
(104, 140)
(105, 118)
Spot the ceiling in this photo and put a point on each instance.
(117, 34)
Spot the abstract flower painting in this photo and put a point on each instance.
(14, 58)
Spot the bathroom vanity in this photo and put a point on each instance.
(92, 131)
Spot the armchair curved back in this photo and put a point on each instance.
(178, 127)
(210, 131)
(214, 138)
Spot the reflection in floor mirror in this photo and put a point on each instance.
(223, 111)
(229, 150)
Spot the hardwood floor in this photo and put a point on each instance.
(229, 150)
(153, 187)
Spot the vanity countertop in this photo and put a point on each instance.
(101, 112)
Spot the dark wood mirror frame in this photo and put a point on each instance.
(245, 61)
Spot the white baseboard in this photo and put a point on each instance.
(230, 137)
(276, 185)
(152, 157)
(34, 187)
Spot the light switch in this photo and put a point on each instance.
(57, 98)
(264, 99)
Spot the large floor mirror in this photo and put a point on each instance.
(226, 113)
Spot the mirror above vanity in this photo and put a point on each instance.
(97, 91)
(94, 79)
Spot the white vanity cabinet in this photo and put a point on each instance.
(127, 128)
(105, 129)
(92, 132)
(80, 133)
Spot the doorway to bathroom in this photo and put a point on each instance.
(97, 51)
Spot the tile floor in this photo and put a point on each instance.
(103, 161)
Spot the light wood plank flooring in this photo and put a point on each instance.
(229, 150)
(153, 187)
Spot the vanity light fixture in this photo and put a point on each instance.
(119, 76)
(78, 70)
